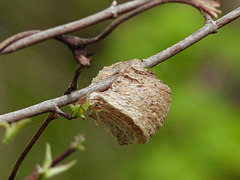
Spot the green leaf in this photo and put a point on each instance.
(71, 106)
(87, 103)
(81, 107)
(81, 112)
(46, 171)
(82, 116)
(77, 111)
(5, 125)
(59, 169)
(48, 158)
(12, 129)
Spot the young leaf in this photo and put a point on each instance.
(85, 105)
(46, 171)
(76, 110)
(59, 169)
(71, 106)
(48, 158)
(80, 108)
(12, 129)
(77, 143)
(81, 112)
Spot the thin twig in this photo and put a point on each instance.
(17, 37)
(48, 105)
(61, 113)
(63, 156)
(73, 26)
(73, 84)
(50, 117)
(209, 28)
(228, 18)
(118, 21)
(102, 16)
(75, 146)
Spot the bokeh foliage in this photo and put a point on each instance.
(199, 140)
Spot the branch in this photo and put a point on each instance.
(34, 139)
(48, 106)
(137, 6)
(228, 18)
(75, 146)
(209, 28)
(71, 27)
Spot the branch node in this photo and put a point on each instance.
(210, 22)
(61, 113)
(113, 9)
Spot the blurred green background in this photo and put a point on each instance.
(199, 140)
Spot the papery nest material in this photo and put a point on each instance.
(134, 108)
